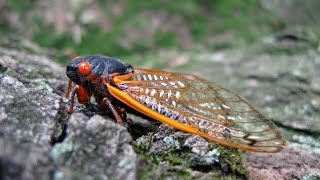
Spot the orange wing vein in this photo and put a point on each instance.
(197, 106)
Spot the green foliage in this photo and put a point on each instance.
(203, 20)
(21, 6)
(58, 41)
(165, 39)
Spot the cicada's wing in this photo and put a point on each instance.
(197, 106)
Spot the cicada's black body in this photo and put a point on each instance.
(183, 101)
(101, 68)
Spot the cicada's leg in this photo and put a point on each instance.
(107, 102)
(83, 97)
(69, 89)
(73, 94)
(122, 112)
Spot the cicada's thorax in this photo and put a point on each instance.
(94, 83)
(99, 90)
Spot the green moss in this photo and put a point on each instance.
(233, 157)
(149, 163)
(174, 157)
(181, 161)
(153, 171)
(140, 148)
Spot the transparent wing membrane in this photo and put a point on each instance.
(213, 110)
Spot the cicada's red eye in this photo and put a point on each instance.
(84, 68)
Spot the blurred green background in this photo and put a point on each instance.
(138, 30)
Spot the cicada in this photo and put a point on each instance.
(183, 101)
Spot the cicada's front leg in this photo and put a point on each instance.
(83, 97)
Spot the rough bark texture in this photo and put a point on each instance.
(39, 140)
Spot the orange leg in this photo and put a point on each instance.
(107, 102)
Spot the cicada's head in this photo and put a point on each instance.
(84, 70)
